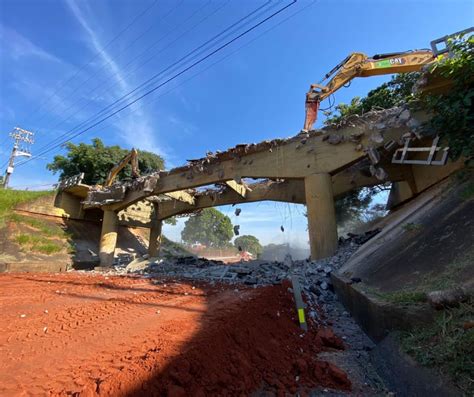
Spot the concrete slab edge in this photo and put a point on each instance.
(376, 317)
(404, 376)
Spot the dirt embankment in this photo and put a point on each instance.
(78, 334)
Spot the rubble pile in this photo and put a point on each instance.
(314, 275)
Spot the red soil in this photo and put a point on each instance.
(88, 335)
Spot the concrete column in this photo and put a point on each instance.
(321, 215)
(155, 238)
(108, 239)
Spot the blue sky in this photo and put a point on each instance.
(255, 92)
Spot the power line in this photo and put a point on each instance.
(105, 64)
(148, 82)
(171, 67)
(62, 84)
(233, 52)
(190, 67)
(88, 100)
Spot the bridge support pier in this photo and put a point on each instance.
(154, 244)
(321, 215)
(108, 238)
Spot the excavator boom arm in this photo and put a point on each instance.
(360, 65)
(131, 158)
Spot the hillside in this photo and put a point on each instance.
(30, 241)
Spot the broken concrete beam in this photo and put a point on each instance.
(115, 193)
(239, 188)
(181, 195)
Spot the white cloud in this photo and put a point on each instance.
(17, 46)
(135, 126)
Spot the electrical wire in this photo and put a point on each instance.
(116, 74)
(220, 48)
(225, 57)
(150, 80)
(62, 84)
(140, 65)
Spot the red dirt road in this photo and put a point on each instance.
(89, 335)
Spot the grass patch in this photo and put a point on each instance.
(11, 198)
(401, 297)
(468, 192)
(404, 297)
(449, 278)
(45, 228)
(447, 345)
(412, 227)
(48, 248)
(44, 238)
(38, 243)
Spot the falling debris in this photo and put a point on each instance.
(240, 248)
(237, 211)
(236, 229)
(282, 228)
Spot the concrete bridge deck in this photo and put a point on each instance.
(310, 168)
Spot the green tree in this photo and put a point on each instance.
(453, 111)
(393, 93)
(353, 205)
(96, 160)
(249, 243)
(209, 227)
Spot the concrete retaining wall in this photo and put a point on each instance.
(378, 318)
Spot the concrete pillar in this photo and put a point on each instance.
(108, 238)
(321, 215)
(155, 238)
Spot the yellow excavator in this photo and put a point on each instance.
(131, 158)
(360, 65)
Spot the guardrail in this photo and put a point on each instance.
(69, 182)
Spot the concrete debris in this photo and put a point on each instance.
(236, 230)
(113, 193)
(139, 264)
(390, 145)
(237, 211)
(374, 155)
(282, 228)
(451, 297)
(379, 173)
(314, 276)
(357, 136)
(335, 139)
(404, 115)
(376, 137)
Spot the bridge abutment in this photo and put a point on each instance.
(321, 215)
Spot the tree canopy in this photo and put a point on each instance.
(96, 160)
(248, 243)
(209, 227)
(453, 111)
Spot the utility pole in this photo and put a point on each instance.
(22, 140)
